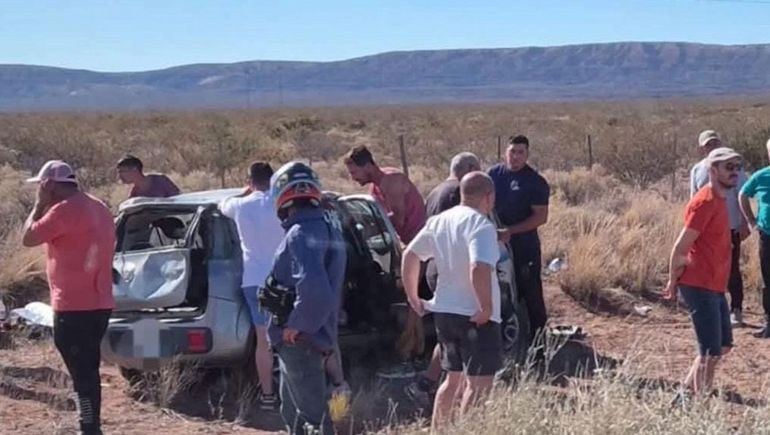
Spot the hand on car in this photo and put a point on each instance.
(481, 317)
(290, 335)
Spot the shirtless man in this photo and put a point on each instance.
(131, 171)
(392, 189)
(406, 210)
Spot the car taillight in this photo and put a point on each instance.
(197, 341)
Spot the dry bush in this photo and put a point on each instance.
(167, 384)
(16, 198)
(22, 271)
(613, 401)
(612, 235)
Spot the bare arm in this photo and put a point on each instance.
(394, 190)
(42, 202)
(538, 218)
(748, 213)
(678, 259)
(28, 238)
(481, 279)
(410, 274)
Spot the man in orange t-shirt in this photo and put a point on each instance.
(79, 235)
(700, 267)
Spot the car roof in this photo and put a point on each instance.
(205, 197)
(195, 199)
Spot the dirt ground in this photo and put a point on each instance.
(35, 398)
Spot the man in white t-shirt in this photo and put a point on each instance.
(260, 233)
(462, 241)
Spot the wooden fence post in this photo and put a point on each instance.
(673, 172)
(402, 151)
(590, 152)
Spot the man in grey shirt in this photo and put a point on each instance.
(709, 140)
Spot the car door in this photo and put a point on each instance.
(152, 265)
(372, 279)
(375, 229)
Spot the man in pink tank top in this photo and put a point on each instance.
(392, 189)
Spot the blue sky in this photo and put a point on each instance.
(132, 35)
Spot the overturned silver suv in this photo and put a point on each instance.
(177, 272)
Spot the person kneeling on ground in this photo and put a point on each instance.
(466, 305)
(306, 287)
(700, 267)
(79, 235)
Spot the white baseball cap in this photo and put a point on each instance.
(55, 170)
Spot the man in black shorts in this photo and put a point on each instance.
(466, 305)
(443, 197)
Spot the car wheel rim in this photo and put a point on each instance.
(510, 333)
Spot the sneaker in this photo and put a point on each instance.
(764, 333)
(268, 402)
(421, 392)
(403, 370)
(736, 318)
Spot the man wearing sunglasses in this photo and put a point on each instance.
(758, 187)
(708, 141)
(700, 267)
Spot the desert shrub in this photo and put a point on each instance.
(609, 401)
(582, 185)
(17, 198)
(641, 158)
(752, 146)
(628, 250)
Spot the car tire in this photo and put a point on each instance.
(514, 326)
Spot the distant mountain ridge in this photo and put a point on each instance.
(589, 71)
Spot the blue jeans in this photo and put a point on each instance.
(303, 389)
(711, 319)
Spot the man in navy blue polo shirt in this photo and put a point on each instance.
(522, 206)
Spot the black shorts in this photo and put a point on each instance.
(468, 348)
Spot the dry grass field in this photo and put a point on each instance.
(614, 222)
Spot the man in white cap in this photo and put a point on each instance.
(708, 141)
(758, 187)
(79, 235)
(700, 267)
